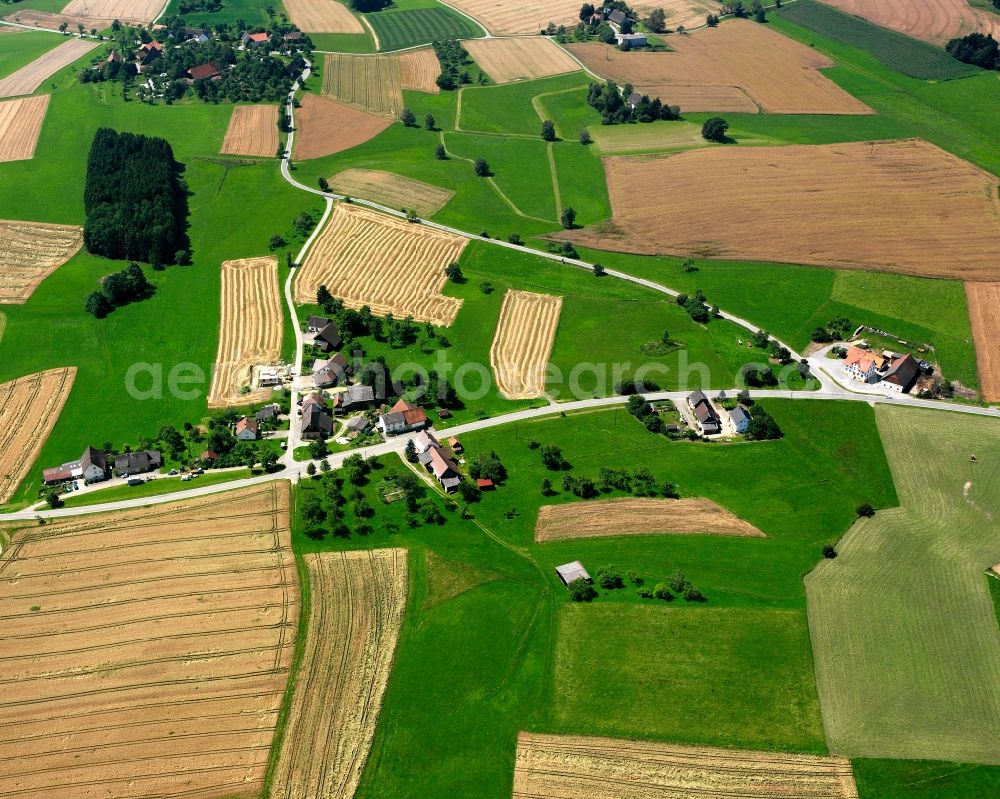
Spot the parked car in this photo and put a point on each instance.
(135, 481)
(173, 472)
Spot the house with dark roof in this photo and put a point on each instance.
(617, 17)
(147, 460)
(740, 418)
(357, 425)
(267, 413)
(633, 100)
(93, 466)
(705, 415)
(327, 338)
(902, 374)
(207, 71)
(353, 398)
(633, 40)
(316, 422)
(316, 323)
(569, 572)
(331, 372)
(148, 53)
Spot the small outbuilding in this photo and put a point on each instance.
(569, 572)
(485, 484)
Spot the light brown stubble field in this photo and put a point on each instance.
(147, 651)
(323, 16)
(357, 606)
(738, 66)
(637, 516)
(20, 124)
(250, 329)
(324, 127)
(522, 344)
(253, 130)
(392, 266)
(506, 60)
(30, 77)
(577, 767)
(391, 190)
(371, 82)
(30, 252)
(418, 69)
(935, 21)
(984, 313)
(29, 409)
(899, 206)
(141, 11)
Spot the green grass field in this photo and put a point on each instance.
(409, 27)
(343, 42)
(508, 109)
(154, 488)
(252, 12)
(23, 47)
(924, 779)
(905, 636)
(904, 54)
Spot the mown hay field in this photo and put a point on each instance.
(391, 190)
(578, 767)
(371, 82)
(140, 11)
(893, 206)
(934, 21)
(984, 313)
(738, 66)
(637, 516)
(30, 77)
(29, 409)
(147, 651)
(356, 611)
(20, 123)
(250, 329)
(506, 60)
(324, 127)
(419, 69)
(396, 29)
(392, 266)
(323, 16)
(522, 344)
(253, 130)
(30, 252)
(904, 634)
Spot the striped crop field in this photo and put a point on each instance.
(398, 29)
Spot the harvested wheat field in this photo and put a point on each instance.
(253, 130)
(49, 21)
(984, 313)
(147, 651)
(324, 127)
(419, 69)
(358, 601)
(369, 81)
(522, 344)
(578, 767)
(636, 516)
(20, 123)
(30, 252)
(392, 266)
(934, 21)
(738, 66)
(29, 409)
(30, 77)
(892, 206)
(391, 190)
(506, 60)
(250, 329)
(133, 11)
(523, 16)
(323, 16)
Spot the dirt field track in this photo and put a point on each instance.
(392, 191)
(506, 60)
(250, 329)
(984, 312)
(30, 252)
(523, 341)
(30, 77)
(358, 601)
(369, 81)
(20, 123)
(418, 69)
(935, 21)
(638, 517)
(323, 16)
(576, 767)
(141, 11)
(253, 130)
(806, 204)
(147, 651)
(365, 258)
(324, 127)
(739, 66)
(29, 409)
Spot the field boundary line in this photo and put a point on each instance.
(554, 174)
(371, 30)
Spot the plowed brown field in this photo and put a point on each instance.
(146, 652)
(984, 312)
(30, 252)
(523, 341)
(20, 123)
(323, 16)
(392, 266)
(935, 21)
(637, 516)
(30, 77)
(369, 81)
(141, 11)
(253, 130)
(249, 329)
(892, 206)
(29, 409)
(324, 127)
(718, 69)
(577, 767)
(505, 60)
(418, 69)
(392, 191)
(358, 601)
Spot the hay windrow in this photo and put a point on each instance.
(522, 344)
(419, 69)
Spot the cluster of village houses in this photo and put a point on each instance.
(95, 466)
